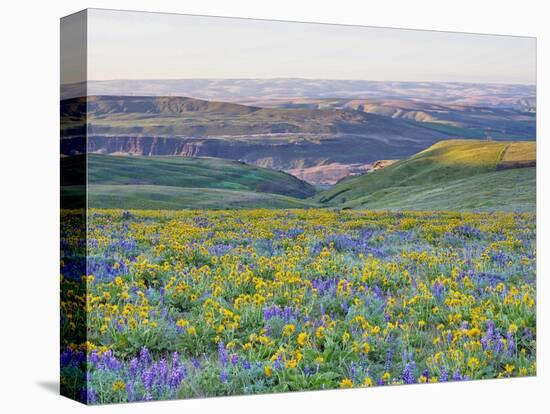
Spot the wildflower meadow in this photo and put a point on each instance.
(191, 303)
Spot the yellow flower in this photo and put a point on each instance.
(319, 360)
(473, 363)
(473, 332)
(192, 331)
(302, 338)
(320, 332)
(345, 337)
(368, 382)
(182, 323)
(346, 383)
(288, 330)
(513, 328)
(267, 371)
(508, 369)
(118, 386)
(365, 347)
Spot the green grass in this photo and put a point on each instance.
(508, 190)
(175, 198)
(450, 175)
(456, 175)
(180, 183)
(193, 173)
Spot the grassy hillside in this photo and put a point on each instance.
(509, 190)
(184, 116)
(193, 173)
(176, 198)
(179, 182)
(458, 174)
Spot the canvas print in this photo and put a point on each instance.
(254, 206)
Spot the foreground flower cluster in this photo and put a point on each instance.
(194, 303)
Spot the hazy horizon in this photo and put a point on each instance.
(126, 45)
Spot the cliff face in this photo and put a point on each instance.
(146, 146)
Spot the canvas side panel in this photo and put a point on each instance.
(73, 75)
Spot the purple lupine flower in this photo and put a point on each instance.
(389, 359)
(94, 358)
(345, 306)
(224, 376)
(147, 378)
(245, 364)
(148, 397)
(511, 343)
(176, 377)
(499, 346)
(91, 396)
(134, 368)
(444, 376)
(353, 370)
(144, 357)
(130, 391)
(490, 329)
(175, 359)
(278, 362)
(196, 363)
(287, 314)
(408, 373)
(234, 359)
(222, 354)
(110, 362)
(438, 290)
(274, 311)
(457, 376)
(162, 368)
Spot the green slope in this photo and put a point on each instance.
(193, 173)
(179, 182)
(451, 175)
(175, 198)
(508, 190)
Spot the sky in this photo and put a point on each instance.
(139, 45)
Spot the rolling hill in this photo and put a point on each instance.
(276, 138)
(466, 121)
(193, 173)
(179, 182)
(450, 175)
